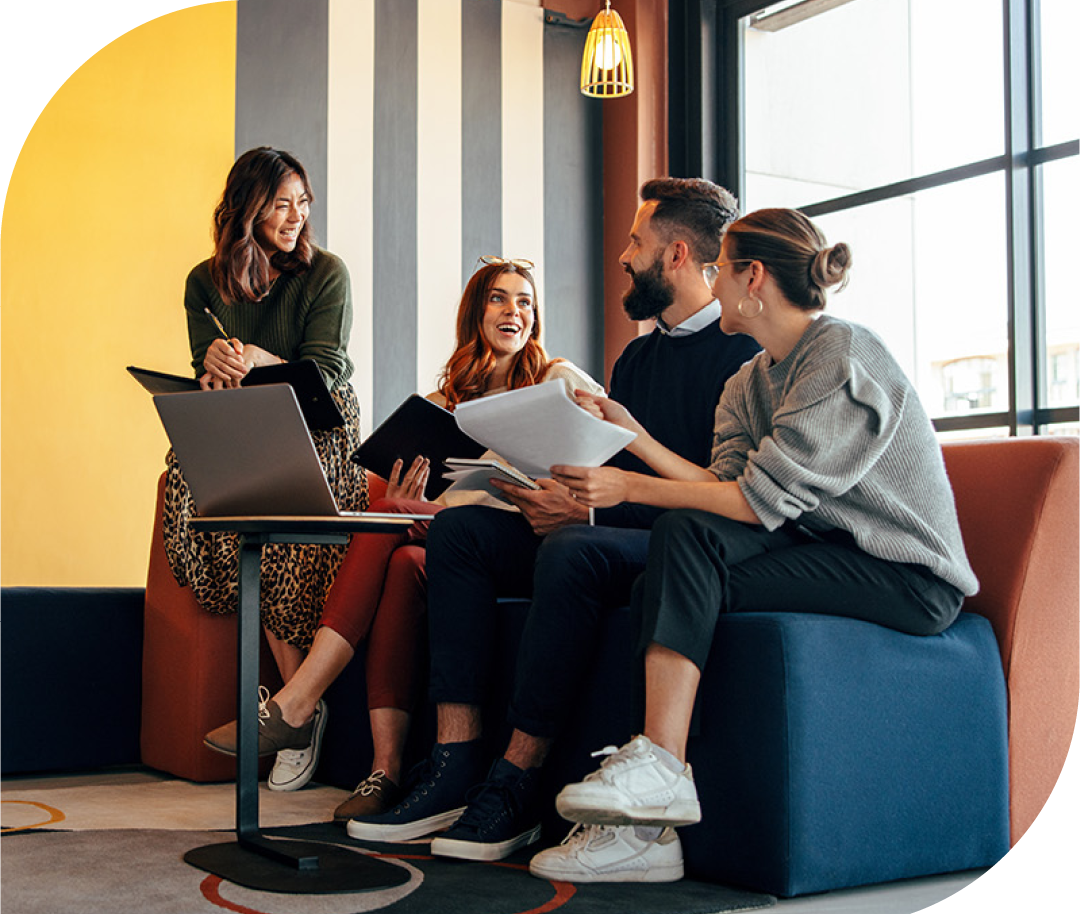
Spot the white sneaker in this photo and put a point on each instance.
(635, 785)
(604, 853)
(293, 768)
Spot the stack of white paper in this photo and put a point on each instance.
(535, 428)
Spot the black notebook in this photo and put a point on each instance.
(303, 376)
(417, 427)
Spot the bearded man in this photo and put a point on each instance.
(670, 380)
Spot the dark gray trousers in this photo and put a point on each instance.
(701, 565)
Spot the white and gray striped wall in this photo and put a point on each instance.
(434, 131)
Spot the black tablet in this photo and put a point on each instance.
(416, 427)
(319, 409)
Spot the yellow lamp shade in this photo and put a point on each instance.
(607, 67)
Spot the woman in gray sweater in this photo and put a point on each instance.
(826, 493)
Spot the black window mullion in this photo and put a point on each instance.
(731, 122)
(685, 98)
(1040, 363)
(1019, 207)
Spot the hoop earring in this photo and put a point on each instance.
(760, 307)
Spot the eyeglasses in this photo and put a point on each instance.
(711, 270)
(492, 261)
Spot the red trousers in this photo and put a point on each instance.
(380, 593)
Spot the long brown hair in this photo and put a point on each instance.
(239, 267)
(469, 369)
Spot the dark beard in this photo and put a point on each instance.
(649, 295)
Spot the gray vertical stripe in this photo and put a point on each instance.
(573, 310)
(394, 202)
(481, 114)
(281, 86)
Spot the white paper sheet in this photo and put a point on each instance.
(535, 428)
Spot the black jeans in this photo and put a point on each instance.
(574, 576)
(701, 565)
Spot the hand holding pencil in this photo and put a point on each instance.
(232, 341)
(224, 361)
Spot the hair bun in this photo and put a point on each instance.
(830, 266)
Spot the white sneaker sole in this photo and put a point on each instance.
(475, 850)
(305, 774)
(590, 811)
(542, 870)
(407, 831)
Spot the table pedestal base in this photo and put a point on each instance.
(254, 860)
(295, 867)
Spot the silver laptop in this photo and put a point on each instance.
(247, 452)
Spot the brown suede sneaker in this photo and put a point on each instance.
(274, 733)
(373, 795)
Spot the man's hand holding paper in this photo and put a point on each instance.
(548, 508)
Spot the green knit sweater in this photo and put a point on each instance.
(305, 316)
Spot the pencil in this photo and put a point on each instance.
(228, 339)
(217, 323)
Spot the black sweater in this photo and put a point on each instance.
(672, 385)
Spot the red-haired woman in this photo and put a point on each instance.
(380, 591)
(279, 298)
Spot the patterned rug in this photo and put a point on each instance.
(139, 871)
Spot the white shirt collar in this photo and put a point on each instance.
(695, 322)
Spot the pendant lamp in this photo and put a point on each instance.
(607, 68)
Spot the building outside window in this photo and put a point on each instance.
(939, 139)
(971, 384)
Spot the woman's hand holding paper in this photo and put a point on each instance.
(609, 410)
(595, 487)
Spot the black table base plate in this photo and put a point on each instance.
(338, 870)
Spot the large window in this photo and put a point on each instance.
(939, 139)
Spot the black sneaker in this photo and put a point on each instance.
(436, 797)
(502, 816)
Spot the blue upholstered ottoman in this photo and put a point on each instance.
(834, 752)
(70, 682)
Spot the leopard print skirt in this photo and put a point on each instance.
(294, 579)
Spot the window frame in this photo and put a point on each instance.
(707, 138)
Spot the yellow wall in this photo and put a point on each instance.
(108, 207)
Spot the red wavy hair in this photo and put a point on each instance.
(469, 369)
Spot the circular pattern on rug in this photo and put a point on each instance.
(16, 815)
(143, 872)
(240, 900)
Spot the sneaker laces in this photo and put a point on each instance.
(420, 777)
(264, 700)
(371, 784)
(487, 800)
(293, 758)
(581, 835)
(615, 758)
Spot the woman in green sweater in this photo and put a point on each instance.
(279, 298)
(826, 493)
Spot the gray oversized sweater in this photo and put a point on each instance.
(834, 437)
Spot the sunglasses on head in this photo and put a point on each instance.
(492, 261)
